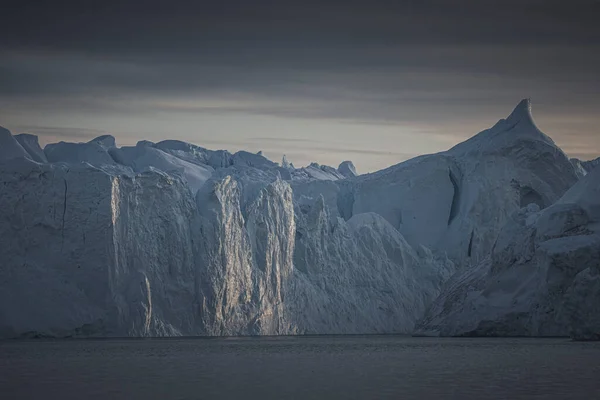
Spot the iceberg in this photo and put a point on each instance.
(497, 235)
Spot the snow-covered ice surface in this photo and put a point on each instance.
(170, 238)
(142, 158)
(457, 201)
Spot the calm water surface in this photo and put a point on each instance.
(320, 367)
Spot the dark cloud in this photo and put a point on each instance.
(176, 25)
(438, 64)
(375, 93)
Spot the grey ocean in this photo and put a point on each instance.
(319, 367)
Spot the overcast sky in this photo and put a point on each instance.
(375, 82)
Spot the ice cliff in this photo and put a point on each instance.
(542, 277)
(170, 238)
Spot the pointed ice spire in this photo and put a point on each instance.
(284, 162)
(521, 114)
(518, 125)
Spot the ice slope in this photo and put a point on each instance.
(317, 172)
(589, 165)
(457, 201)
(243, 160)
(144, 157)
(94, 153)
(583, 167)
(246, 159)
(106, 141)
(32, 146)
(195, 154)
(10, 148)
(541, 279)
